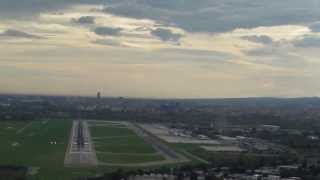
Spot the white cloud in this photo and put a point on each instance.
(259, 39)
(226, 48)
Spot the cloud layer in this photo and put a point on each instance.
(219, 15)
(259, 39)
(107, 31)
(153, 47)
(308, 42)
(19, 34)
(194, 16)
(85, 20)
(166, 35)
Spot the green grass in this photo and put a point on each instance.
(33, 148)
(109, 131)
(127, 144)
(193, 149)
(121, 145)
(128, 158)
(32, 145)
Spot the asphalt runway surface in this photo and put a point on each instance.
(80, 151)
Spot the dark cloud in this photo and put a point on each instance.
(259, 39)
(308, 42)
(191, 15)
(219, 15)
(19, 34)
(315, 27)
(28, 8)
(23, 9)
(85, 20)
(166, 35)
(107, 31)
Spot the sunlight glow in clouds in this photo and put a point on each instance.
(142, 55)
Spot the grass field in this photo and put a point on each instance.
(28, 144)
(128, 158)
(110, 131)
(118, 144)
(193, 149)
(126, 144)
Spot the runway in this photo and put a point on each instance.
(80, 151)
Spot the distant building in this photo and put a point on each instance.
(226, 149)
(312, 160)
(98, 102)
(98, 95)
(220, 124)
(313, 138)
(269, 128)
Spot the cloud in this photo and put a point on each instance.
(265, 51)
(277, 55)
(19, 34)
(107, 42)
(85, 20)
(315, 27)
(194, 55)
(219, 15)
(107, 31)
(194, 16)
(259, 39)
(28, 8)
(166, 35)
(308, 42)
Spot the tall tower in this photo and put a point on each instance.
(220, 123)
(98, 95)
(98, 101)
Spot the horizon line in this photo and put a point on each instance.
(155, 98)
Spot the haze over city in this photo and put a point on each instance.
(148, 48)
(159, 90)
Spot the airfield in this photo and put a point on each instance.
(53, 149)
(48, 148)
(39, 145)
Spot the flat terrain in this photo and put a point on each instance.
(80, 152)
(168, 135)
(34, 143)
(117, 143)
(190, 147)
(42, 145)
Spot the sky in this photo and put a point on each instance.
(161, 49)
